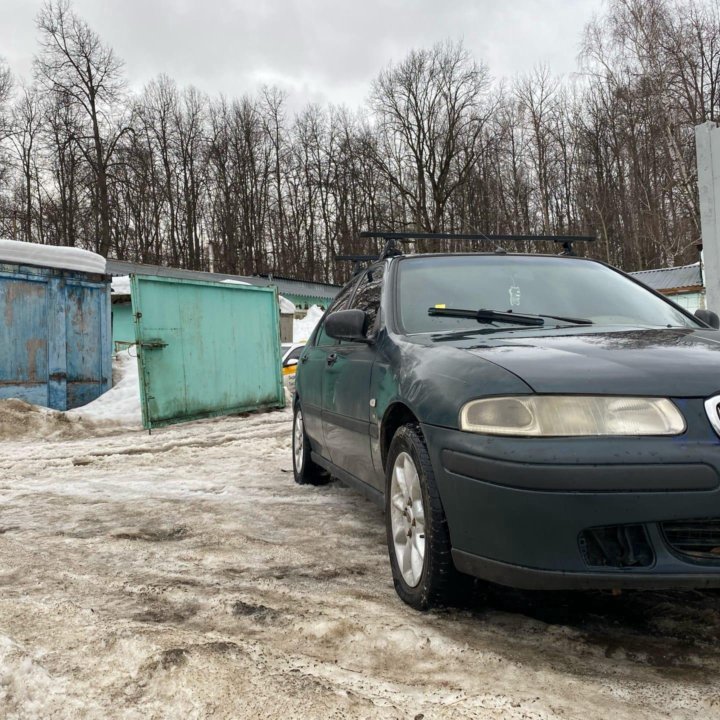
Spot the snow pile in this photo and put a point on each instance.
(65, 258)
(20, 419)
(235, 282)
(303, 329)
(121, 404)
(121, 285)
(118, 408)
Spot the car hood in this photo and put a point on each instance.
(652, 362)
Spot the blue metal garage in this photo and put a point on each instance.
(55, 347)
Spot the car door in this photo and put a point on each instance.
(311, 375)
(346, 387)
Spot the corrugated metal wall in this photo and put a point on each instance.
(205, 348)
(54, 336)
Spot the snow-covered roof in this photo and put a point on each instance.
(65, 258)
(286, 306)
(683, 276)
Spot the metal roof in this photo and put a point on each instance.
(683, 276)
(284, 285)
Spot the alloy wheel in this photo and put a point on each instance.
(407, 519)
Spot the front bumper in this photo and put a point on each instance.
(520, 523)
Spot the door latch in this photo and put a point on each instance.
(153, 345)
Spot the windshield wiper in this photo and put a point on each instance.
(573, 320)
(489, 316)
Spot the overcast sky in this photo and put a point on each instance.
(318, 50)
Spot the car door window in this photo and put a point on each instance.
(341, 302)
(367, 297)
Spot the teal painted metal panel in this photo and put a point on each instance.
(205, 348)
(123, 328)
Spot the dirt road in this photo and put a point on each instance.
(185, 575)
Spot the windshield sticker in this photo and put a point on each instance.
(440, 305)
(514, 295)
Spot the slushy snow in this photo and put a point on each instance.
(184, 574)
(65, 258)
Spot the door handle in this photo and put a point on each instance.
(331, 359)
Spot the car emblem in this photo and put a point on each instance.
(712, 408)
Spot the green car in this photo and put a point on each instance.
(539, 421)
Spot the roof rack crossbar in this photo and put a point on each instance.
(410, 236)
(392, 238)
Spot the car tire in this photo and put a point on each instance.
(306, 472)
(431, 580)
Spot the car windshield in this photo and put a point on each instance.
(534, 285)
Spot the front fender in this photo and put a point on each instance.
(434, 381)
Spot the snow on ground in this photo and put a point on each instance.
(185, 575)
(67, 258)
(302, 329)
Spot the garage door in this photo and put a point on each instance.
(205, 348)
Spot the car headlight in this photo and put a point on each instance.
(571, 415)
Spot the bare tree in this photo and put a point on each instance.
(430, 116)
(438, 147)
(25, 129)
(75, 63)
(6, 87)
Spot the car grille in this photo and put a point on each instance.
(697, 538)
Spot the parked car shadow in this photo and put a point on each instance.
(664, 629)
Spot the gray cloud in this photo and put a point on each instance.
(319, 50)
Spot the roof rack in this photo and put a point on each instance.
(357, 260)
(391, 239)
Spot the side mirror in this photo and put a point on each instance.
(347, 325)
(291, 363)
(708, 317)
